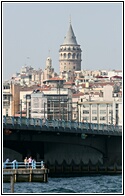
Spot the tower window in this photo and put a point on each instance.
(69, 55)
(73, 56)
(64, 55)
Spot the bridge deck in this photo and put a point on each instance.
(32, 124)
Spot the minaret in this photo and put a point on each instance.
(48, 63)
(70, 53)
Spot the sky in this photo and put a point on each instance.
(33, 31)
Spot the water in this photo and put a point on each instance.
(86, 184)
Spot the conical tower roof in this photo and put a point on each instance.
(70, 38)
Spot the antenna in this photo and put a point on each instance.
(70, 19)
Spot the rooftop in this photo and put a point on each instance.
(70, 38)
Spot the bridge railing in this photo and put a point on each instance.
(22, 165)
(60, 123)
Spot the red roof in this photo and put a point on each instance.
(56, 78)
(69, 82)
(117, 77)
(118, 70)
(77, 94)
(101, 76)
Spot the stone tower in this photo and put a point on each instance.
(70, 53)
(49, 71)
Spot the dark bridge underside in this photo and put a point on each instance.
(60, 149)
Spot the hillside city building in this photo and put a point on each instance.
(78, 95)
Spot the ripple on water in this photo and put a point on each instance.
(86, 184)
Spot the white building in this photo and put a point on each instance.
(51, 104)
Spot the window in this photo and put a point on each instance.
(77, 56)
(102, 118)
(86, 118)
(110, 111)
(102, 111)
(86, 105)
(85, 111)
(94, 111)
(5, 97)
(94, 118)
(73, 56)
(74, 115)
(6, 103)
(102, 105)
(64, 55)
(6, 87)
(116, 105)
(6, 112)
(69, 55)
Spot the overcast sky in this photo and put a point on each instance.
(32, 29)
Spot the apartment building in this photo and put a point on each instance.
(105, 109)
(10, 98)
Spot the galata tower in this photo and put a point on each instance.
(70, 53)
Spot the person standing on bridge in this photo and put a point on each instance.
(26, 162)
(30, 162)
(33, 164)
(6, 163)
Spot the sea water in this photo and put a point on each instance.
(85, 184)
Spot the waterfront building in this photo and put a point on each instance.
(10, 98)
(51, 104)
(107, 112)
(102, 108)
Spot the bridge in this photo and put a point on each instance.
(63, 143)
(60, 126)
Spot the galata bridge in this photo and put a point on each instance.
(67, 148)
